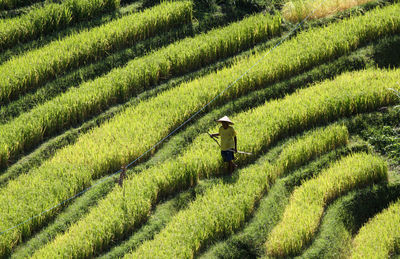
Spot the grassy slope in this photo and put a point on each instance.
(118, 59)
(172, 147)
(359, 59)
(397, 59)
(82, 74)
(222, 217)
(249, 242)
(343, 218)
(45, 39)
(346, 216)
(177, 143)
(141, 177)
(48, 149)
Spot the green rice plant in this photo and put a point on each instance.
(344, 218)
(69, 216)
(11, 4)
(224, 208)
(121, 140)
(293, 156)
(397, 93)
(298, 10)
(177, 143)
(28, 71)
(93, 97)
(307, 203)
(302, 52)
(160, 217)
(49, 18)
(379, 237)
(249, 242)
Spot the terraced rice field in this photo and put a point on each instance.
(90, 86)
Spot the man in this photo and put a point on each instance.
(228, 142)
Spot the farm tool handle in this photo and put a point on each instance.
(242, 152)
(216, 141)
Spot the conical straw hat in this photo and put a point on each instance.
(225, 119)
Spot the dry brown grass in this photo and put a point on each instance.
(298, 10)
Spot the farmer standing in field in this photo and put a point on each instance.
(228, 142)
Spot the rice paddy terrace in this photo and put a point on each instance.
(90, 86)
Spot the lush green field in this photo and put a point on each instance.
(88, 86)
(31, 69)
(52, 17)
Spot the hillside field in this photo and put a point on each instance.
(105, 106)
